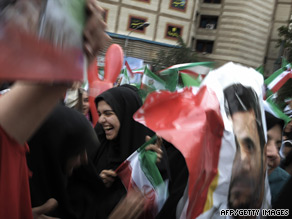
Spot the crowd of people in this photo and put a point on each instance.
(55, 164)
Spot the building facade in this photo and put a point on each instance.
(242, 31)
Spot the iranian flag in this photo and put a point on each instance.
(131, 78)
(151, 82)
(196, 68)
(275, 81)
(55, 53)
(139, 70)
(129, 69)
(278, 79)
(189, 116)
(189, 80)
(274, 109)
(187, 72)
(125, 77)
(139, 171)
(26, 57)
(260, 69)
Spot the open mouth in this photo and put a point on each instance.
(108, 130)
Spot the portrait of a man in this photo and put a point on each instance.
(247, 183)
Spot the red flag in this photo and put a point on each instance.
(129, 69)
(194, 125)
(24, 56)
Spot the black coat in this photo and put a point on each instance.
(65, 134)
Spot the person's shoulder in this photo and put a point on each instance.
(279, 175)
(282, 173)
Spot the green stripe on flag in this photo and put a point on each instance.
(260, 69)
(280, 114)
(190, 81)
(274, 75)
(170, 76)
(125, 79)
(151, 82)
(148, 163)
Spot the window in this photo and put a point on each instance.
(135, 22)
(178, 5)
(212, 1)
(208, 22)
(204, 46)
(173, 31)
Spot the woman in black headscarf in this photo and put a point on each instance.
(60, 145)
(119, 135)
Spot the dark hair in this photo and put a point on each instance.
(239, 98)
(273, 120)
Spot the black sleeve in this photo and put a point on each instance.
(178, 180)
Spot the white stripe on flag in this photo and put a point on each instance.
(278, 79)
(151, 82)
(144, 184)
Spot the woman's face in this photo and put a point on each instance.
(85, 103)
(108, 119)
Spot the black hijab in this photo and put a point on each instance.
(91, 199)
(124, 101)
(65, 134)
(273, 120)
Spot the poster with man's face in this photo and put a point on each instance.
(249, 166)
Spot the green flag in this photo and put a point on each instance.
(260, 69)
(277, 111)
(190, 81)
(170, 76)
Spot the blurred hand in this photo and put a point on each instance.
(131, 207)
(38, 212)
(155, 147)
(95, 37)
(108, 177)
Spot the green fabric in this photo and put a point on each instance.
(148, 163)
(274, 75)
(189, 81)
(260, 69)
(278, 111)
(170, 76)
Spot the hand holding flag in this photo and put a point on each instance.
(108, 177)
(155, 147)
(139, 171)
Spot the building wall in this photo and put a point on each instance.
(159, 14)
(242, 32)
(246, 30)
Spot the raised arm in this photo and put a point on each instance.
(24, 108)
